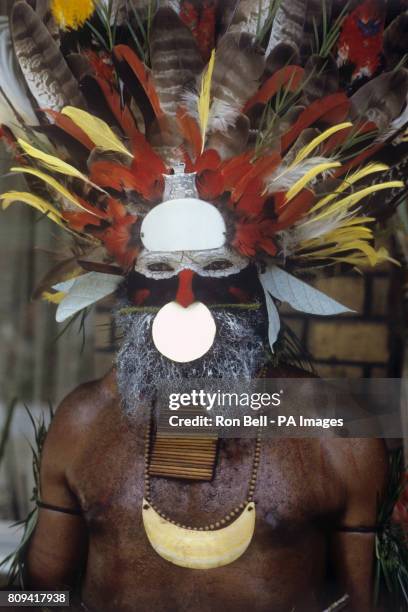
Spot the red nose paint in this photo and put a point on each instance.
(185, 296)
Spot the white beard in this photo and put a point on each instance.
(237, 354)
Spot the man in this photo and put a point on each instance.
(314, 500)
(223, 176)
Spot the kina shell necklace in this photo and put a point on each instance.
(210, 546)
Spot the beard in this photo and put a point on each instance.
(238, 353)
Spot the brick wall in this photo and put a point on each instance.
(366, 343)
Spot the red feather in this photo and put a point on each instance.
(289, 78)
(121, 112)
(143, 153)
(201, 23)
(252, 202)
(235, 168)
(125, 53)
(78, 220)
(117, 240)
(209, 160)
(295, 209)
(330, 109)
(210, 185)
(190, 130)
(259, 169)
(118, 237)
(101, 64)
(120, 178)
(254, 236)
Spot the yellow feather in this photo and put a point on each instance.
(53, 298)
(309, 176)
(97, 130)
(350, 180)
(50, 161)
(204, 101)
(360, 257)
(34, 201)
(55, 184)
(353, 199)
(306, 150)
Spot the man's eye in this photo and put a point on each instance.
(160, 267)
(219, 264)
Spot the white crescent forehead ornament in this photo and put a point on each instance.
(183, 222)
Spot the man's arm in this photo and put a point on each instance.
(363, 467)
(58, 548)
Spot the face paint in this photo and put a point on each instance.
(214, 263)
(183, 236)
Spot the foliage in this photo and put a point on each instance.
(391, 546)
(16, 559)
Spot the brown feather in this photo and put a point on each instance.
(321, 77)
(45, 70)
(233, 141)
(176, 60)
(396, 40)
(58, 273)
(239, 65)
(79, 65)
(246, 15)
(284, 54)
(382, 99)
(295, 23)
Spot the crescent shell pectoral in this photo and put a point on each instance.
(199, 549)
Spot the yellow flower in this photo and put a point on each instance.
(72, 13)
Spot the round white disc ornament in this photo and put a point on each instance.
(184, 334)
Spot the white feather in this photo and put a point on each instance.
(174, 4)
(189, 101)
(396, 125)
(273, 315)
(13, 84)
(222, 114)
(285, 176)
(315, 229)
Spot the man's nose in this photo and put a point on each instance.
(185, 295)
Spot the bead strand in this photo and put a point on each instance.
(228, 518)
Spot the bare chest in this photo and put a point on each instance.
(295, 485)
(294, 497)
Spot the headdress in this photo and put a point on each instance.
(190, 137)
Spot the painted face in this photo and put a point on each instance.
(182, 238)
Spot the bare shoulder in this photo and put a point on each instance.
(362, 467)
(358, 458)
(75, 419)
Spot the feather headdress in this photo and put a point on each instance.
(284, 112)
